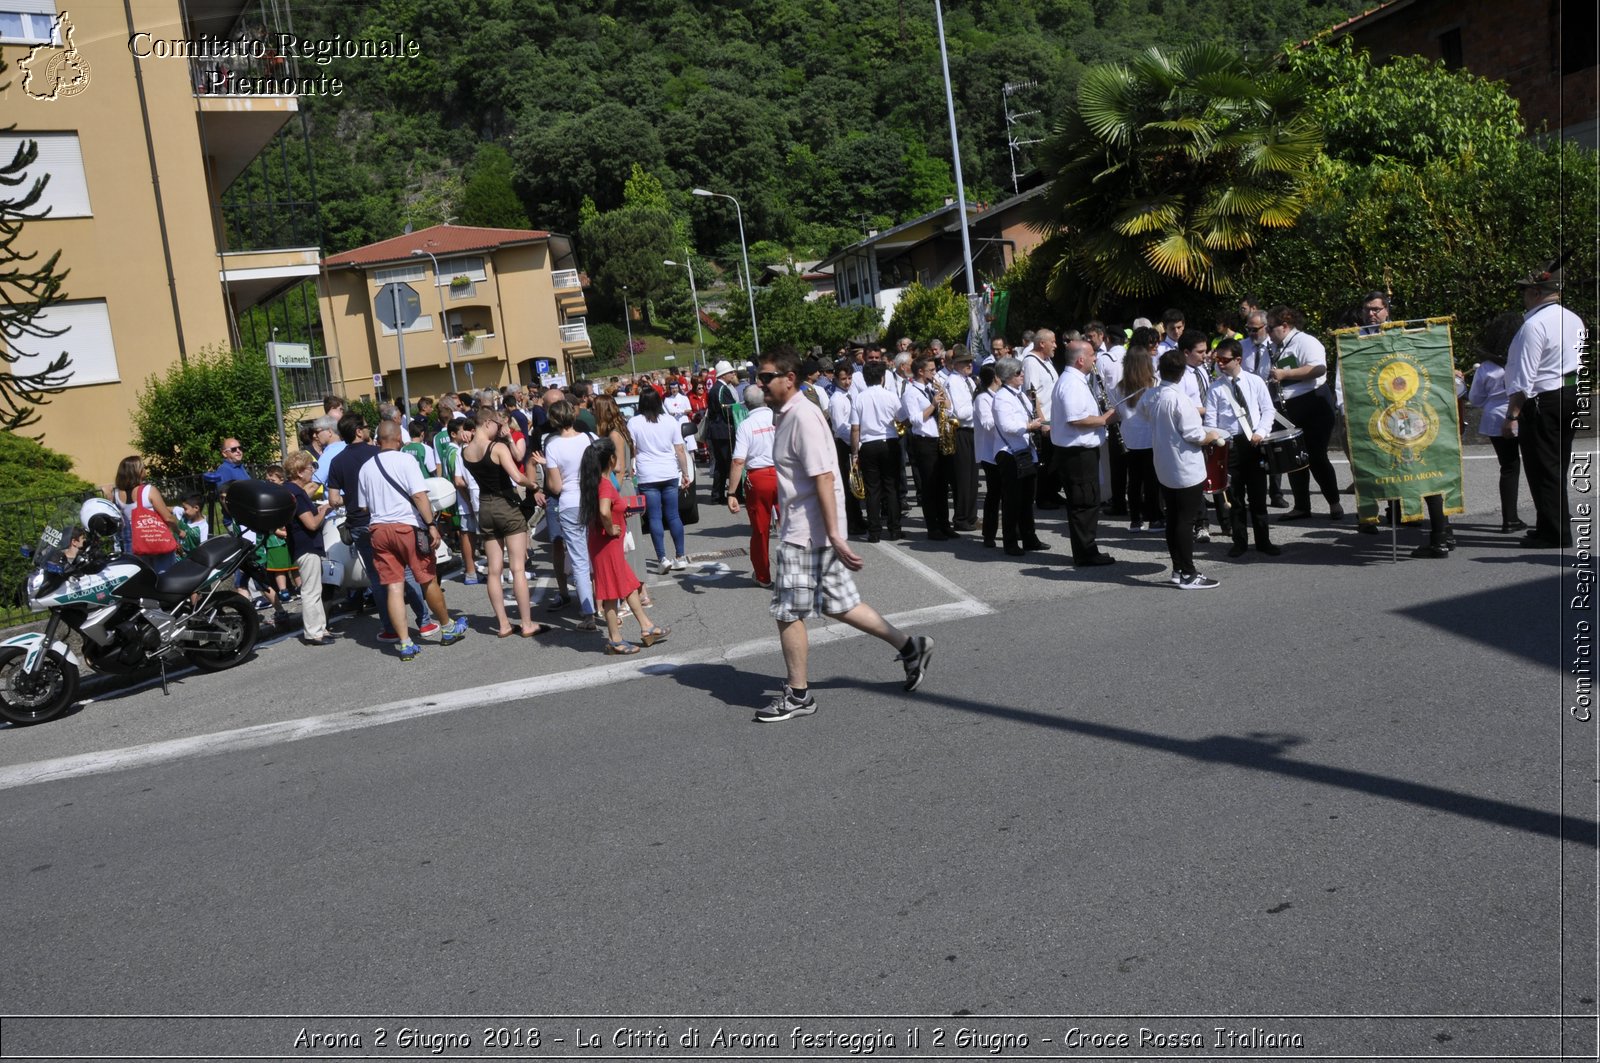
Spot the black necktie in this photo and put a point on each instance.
(1244, 407)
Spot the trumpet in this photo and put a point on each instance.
(947, 421)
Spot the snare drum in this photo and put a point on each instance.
(1216, 468)
(1285, 451)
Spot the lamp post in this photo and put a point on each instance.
(449, 354)
(699, 330)
(955, 153)
(627, 323)
(749, 282)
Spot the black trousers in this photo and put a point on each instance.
(1047, 486)
(1144, 490)
(1183, 504)
(1506, 449)
(933, 484)
(1117, 455)
(1313, 415)
(1079, 471)
(964, 480)
(721, 463)
(880, 468)
(1016, 503)
(991, 502)
(1544, 434)
(1247, 489)
(855, 520)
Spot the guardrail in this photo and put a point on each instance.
(566, 278)
(574, 333)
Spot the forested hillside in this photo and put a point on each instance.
(823, 117)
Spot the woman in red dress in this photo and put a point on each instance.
(602, 513)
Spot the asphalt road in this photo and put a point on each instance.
(1332, 790)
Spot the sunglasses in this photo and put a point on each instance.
(767, 378)
(232, 450)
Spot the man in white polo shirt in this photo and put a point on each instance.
(752, 456)
(814, 556)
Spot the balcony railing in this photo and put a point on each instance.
(565, 278)
(259, 225)
(578, 332)
(243, 75)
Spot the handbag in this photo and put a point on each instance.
(688, 505)
(1027, 463)
(150, 534)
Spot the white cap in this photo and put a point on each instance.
(723, 368)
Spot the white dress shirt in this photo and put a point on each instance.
(1108, 367)
(839, 414)
(1489, 394)
(1195, 383)
(963, 391)
(1257, 358)
(1544, 350)
(985, 435)
(1040, 376)
(1012, 412)
(1177, 432)
(1301, 350)
(1073, 400)
(1252, 417)
(916, 398)
(1135, 420)
(875, 411)
(752, 442)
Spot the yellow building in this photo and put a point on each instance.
(141, 142)
(509, 298)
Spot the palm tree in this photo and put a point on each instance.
(1169, 170)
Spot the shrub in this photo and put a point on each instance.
(182, 417)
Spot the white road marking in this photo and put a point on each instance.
(621, 671)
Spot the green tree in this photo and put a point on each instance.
(1169, 169)
(182, 417)
(939, 312)
(786, 316)
(26, 292)
(489, 198)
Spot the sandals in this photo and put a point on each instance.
(589, 624)
(620, 649)
(654, 635)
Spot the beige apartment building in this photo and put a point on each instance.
(140, 149)
(508, 299)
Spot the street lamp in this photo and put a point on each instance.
(627, 323)
(449, 353)
(961, 192)
(749, 281)
(699, 330)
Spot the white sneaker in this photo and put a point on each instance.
(679, 564)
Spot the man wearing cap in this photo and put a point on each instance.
(720, 401)
(1542, 385)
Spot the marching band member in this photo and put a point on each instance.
(1240, 406)
(1300, 367)
(1180, 465)
(959, 385)
(875, 445)
(1015, 457)
(839, 405)
(920, 404)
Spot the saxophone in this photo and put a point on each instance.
(947, 422)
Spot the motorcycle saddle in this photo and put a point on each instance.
(218, 551)
(181, 580)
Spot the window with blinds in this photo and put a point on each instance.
(66, 193)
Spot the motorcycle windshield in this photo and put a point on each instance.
(59, 540)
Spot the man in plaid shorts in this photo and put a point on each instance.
(814, 562)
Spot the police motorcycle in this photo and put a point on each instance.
(131, 620)
(342, 566)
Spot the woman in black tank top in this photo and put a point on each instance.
(488, 458)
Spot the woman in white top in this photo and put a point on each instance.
(1177, 437)
(563, 452)
(1134, 394)
(1489, 395)
(1015, 458)
(986, 445)
(661, 467)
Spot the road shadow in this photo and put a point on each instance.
(1520, 620)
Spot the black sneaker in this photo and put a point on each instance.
(916, 660)
(786, 706)
(1197, 582)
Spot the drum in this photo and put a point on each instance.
(1216, 468)
(1285, 451)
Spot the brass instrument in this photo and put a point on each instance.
(947, 421)
(858, 483)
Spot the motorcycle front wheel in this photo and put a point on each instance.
(235, 626)
(29, 699)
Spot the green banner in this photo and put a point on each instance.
(1401, 416)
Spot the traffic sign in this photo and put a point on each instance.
(542, 366)
(410, 305)
(377, 380)
(289, 355)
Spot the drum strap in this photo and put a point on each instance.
(1236, 399)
